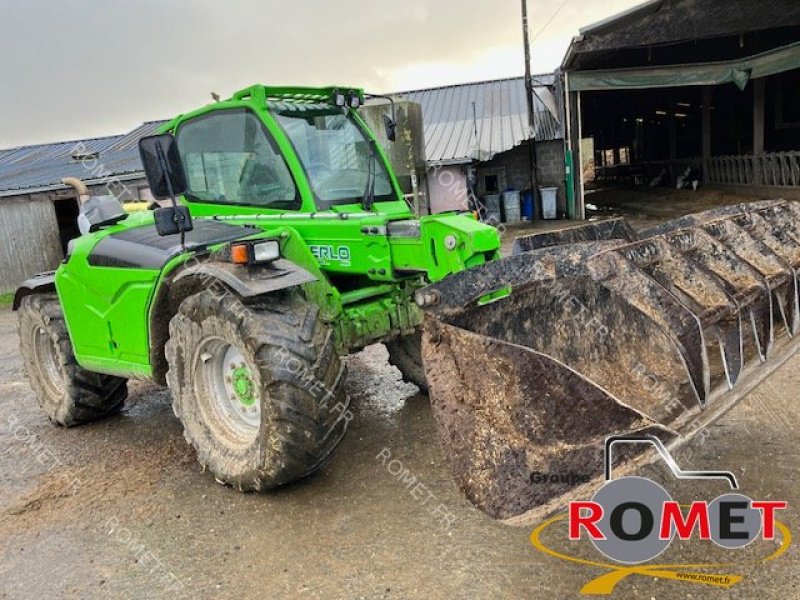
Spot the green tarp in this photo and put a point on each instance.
(739, 71)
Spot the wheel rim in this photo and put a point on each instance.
(47, 361)
(230, 389)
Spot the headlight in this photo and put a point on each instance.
(252, 253)
(266, 251)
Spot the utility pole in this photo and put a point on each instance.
(529, 96)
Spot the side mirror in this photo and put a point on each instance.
(162, 166)
(391, 128)
(165, 175)
(172, 220)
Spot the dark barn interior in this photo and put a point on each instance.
(688, 93)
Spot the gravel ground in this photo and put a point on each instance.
(121, 509)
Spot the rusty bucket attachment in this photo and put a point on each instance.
(534, 360)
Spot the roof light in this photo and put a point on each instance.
(353, 99)
(338, 99)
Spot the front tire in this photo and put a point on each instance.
(258, 387)
(405, 353)
(68, 394)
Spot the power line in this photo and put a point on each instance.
(550, 20)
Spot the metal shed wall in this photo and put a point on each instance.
(29, 240)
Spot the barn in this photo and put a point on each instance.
(687, 93)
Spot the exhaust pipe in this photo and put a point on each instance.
(78, 186)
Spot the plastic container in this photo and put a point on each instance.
(511, 206)
(527, 206)
(549, 199)
(492, 204)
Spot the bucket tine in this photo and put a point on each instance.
(730, 348)
(772, 228)
(625, 274)
(778, 277)
(741, 282)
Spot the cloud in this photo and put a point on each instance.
(82, 68)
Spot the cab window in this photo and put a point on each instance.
(336, 155)
(230, 158)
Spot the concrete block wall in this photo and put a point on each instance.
(516, 166)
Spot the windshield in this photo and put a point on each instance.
(336, 156)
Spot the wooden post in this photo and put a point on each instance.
(531, 119)
(672, 123)
(708, 99)
(673, 136)
(577, 162)
(758, 115)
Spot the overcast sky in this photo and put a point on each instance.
(82, 68)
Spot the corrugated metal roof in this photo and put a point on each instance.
(475, 121)
(672, 22)
(500, 117)
(41, 167)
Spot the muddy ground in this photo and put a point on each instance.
(121, 509)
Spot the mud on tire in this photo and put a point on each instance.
(68, 394)
(405, 353)
(258, 387)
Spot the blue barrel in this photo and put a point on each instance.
(527, 206)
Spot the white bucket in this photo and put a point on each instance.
(549, 202)
(511, 206)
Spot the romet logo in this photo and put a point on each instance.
(633, 520)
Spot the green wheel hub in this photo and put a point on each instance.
(243, 386)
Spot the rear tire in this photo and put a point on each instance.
(405, 353)
(258, 387)
(68, 394)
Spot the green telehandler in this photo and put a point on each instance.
(287, 244)
(292, 247)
